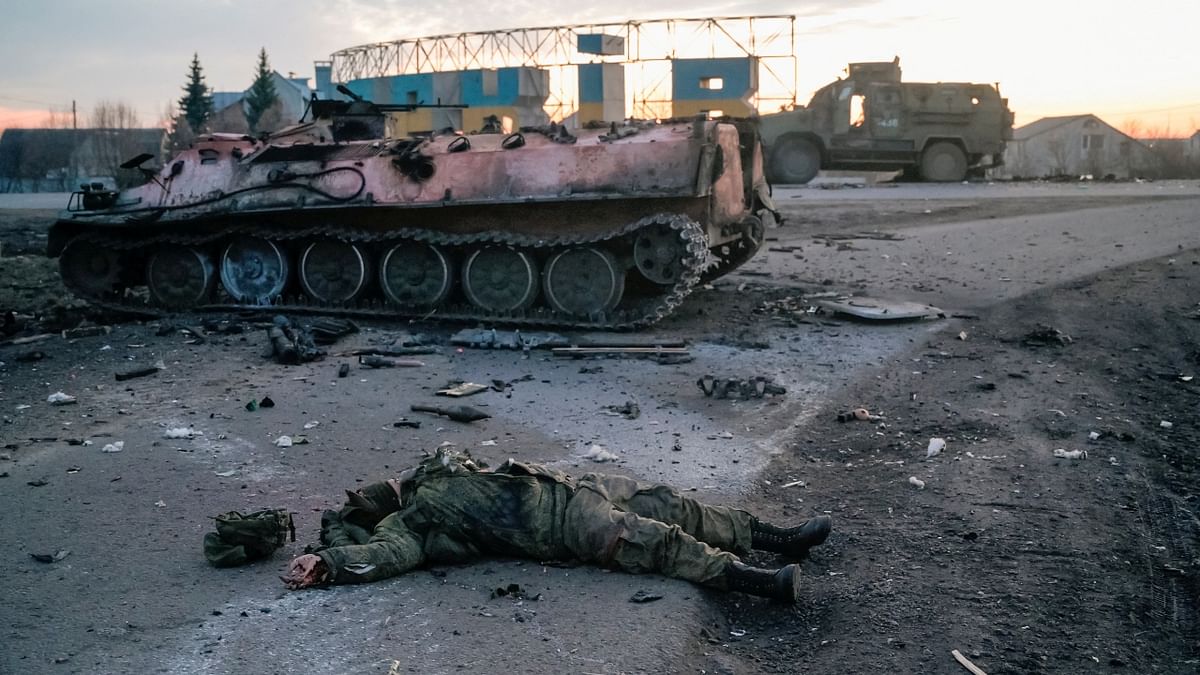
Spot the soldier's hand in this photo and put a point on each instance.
(305, 571)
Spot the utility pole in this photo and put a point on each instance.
(74, 117)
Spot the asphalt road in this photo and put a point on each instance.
(134, 594)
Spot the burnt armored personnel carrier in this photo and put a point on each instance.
(609, 228)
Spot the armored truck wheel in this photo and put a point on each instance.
(796, 160)
(943, 162)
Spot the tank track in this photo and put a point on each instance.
(643, 312)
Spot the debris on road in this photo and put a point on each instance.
(405, 423)
(30, 356)
(598, 454)
(311, 425)
(515, 592)
(1062, 453)
(1165, 424)
(344, 370)
(291, 344)
(458, 389)
(966, 663)
(916, 482)
(630, 410)
(86, 331)
(59, 398)
(328, 331)
(936, 445)
(57, 556)
(138, 372)
(457, 413)
(1045, 335)
(115, 446)
(506, 339)
(876, 309)
(753, 387)
(645, 596)
(672, 354)
(182, 432)
(390, 351)
(266, 402)
(41, 482)
(382, 362)
(858, 414)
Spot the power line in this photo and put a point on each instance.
(28, 100)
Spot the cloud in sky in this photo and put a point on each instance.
(1051, 58)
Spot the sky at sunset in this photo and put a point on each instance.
(1127, 62)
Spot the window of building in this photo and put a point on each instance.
(1093, 141)
(411, 98)
(713, 83)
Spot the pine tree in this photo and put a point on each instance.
(261, 95)
(196, 103)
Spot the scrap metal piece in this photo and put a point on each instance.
(875, 309)
(462, 389)
(758, 386)
(458, 413)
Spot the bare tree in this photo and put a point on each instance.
(115, 137)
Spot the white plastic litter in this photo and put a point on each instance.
(1094, 436)
(1070, 454)
(488, 443)
(59, 398)
(597, 453)
(1165, 424)
(916, 482)
(182, 432)
(115, 446)
(936, 445)
(311, 425)
(283, 442)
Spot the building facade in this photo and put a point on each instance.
(1075, 145)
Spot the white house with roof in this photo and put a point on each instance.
(1074, 145)
(229, 113)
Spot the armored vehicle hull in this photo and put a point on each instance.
(610, 228)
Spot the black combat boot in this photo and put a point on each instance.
(792, 542)
(782, 584)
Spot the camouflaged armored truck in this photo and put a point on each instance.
(604, 228)
(872, 121)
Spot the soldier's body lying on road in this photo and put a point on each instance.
(450, 510)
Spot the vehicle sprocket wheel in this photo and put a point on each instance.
(500, 279)
(416, 275)
(91, 269)
(583, 281)
(659, 252)
(333, 272)
(254, 270)
(180, 276)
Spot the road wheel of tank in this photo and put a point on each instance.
(333, 272)
(180, 276)
(91, 269)
(583, 281)
(658, 253)
(796, 160)
(943, 162)
(500, 279)
(416, 275)
(254, 270)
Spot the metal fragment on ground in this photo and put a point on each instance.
(875, 309)
(754, 387)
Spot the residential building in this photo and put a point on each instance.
(1075, 145)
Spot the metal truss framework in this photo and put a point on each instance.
(649, 48)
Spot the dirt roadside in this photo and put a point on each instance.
(1024, 562)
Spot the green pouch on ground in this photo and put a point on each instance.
(243, 538)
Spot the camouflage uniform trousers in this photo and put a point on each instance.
(637, 527)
